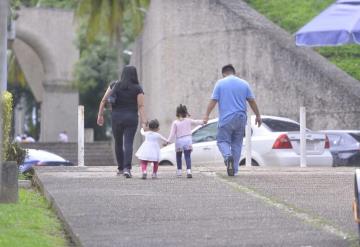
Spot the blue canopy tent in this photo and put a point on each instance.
(339, 24)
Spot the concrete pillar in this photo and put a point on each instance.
(9, 182)
(4, 11)
(59, 112)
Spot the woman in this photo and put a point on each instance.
(127, 103)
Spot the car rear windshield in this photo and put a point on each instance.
(276, 125)
(356, 136)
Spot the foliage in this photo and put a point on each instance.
(293, 14)
(95, 69)
(62, 4)
(106, 16)
(105, 27)
(6, 102)
(16, 153)
(20, 90)
(30, 222)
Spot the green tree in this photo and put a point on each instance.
(95, 69)
(106, 17)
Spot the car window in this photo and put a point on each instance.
(205, 134)
(276, 125)
(334, 139)
(355, 136)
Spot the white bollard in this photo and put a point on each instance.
(248, 141)
(302, 136)
(81, 147)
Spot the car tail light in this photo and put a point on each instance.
(282, 142)
(327, 143)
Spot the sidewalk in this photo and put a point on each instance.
(260, 207)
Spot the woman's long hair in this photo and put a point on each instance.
(129, 77)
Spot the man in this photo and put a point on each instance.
(231, 94)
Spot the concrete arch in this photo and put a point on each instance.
(40, 48)
(44, 47)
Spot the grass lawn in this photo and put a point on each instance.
(291, 15)
(30, 222)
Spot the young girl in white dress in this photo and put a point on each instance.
(149, 150)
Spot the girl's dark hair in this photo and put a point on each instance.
(154, 124)
(129, 77)
(181, 111)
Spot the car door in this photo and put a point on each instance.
(205, 150)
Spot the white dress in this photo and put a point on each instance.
(150, 148)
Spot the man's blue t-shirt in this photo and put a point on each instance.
(231, 93)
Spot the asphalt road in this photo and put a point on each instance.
(260, 207)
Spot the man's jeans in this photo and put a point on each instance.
(230, 138)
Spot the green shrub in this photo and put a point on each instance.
(11, 151)
(7, 102)
(16, 153)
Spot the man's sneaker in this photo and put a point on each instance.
(127, 174)
(120, 172)
(144, 175)
(189, 175)
(154, 176)
(229, 162)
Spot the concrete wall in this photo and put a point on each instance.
(185, 43)
(46, 52)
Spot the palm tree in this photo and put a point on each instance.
(106, 17)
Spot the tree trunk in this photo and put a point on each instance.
(120, 50)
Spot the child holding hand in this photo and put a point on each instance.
(181, 131)
(149, 150)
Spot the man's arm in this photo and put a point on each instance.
(255, 109)
(210, 107)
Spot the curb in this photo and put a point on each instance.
(70, 234)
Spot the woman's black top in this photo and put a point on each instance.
(126, 98)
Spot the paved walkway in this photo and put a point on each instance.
(260, 207)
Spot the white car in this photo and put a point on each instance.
(275, 143)
(36, 157)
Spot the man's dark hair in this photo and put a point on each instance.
(181, 111)
(154, 124)
(228, 69)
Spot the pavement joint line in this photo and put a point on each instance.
(315, 221)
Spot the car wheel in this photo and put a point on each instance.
(253, 163)
(166, 163)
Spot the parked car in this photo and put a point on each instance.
(344, 146)
(36, 157)
(275, 143)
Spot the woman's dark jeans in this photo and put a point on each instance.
(124, 126)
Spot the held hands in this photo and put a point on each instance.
(145, 126)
